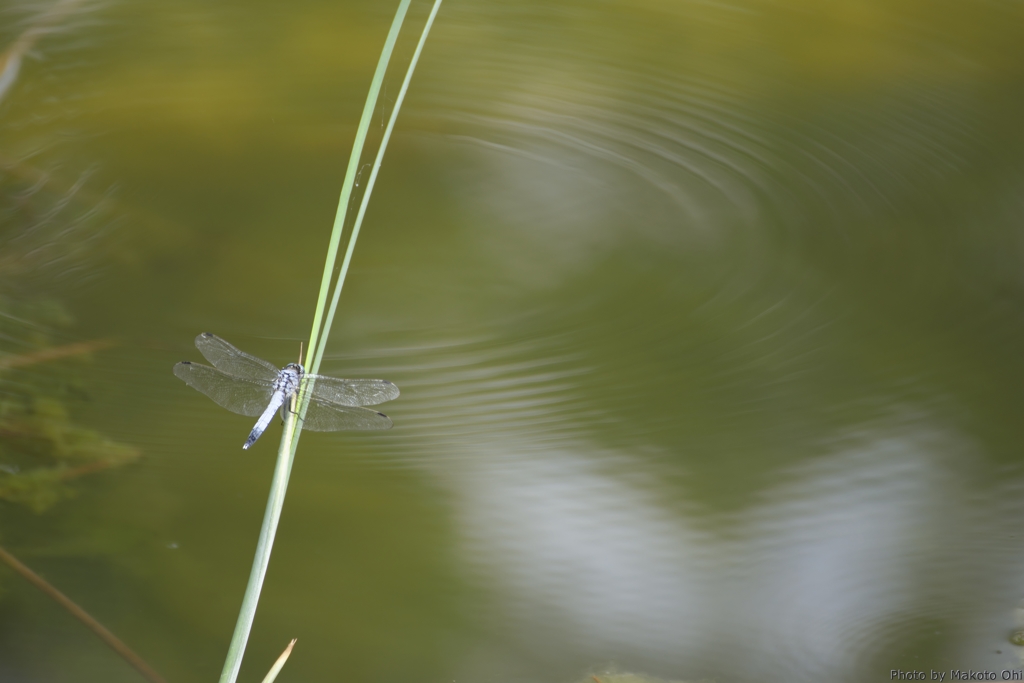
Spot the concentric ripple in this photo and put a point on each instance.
(579, 152)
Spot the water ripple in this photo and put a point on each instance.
(580, 155)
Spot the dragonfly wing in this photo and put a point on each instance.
(322, 416)
(227, 358)
(353, 392)
(242, 396)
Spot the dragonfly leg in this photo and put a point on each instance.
(286, 407)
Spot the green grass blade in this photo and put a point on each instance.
(318, 336)
(353, 170)
(272, 515)
(318, 356)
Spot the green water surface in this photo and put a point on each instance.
(708, 319)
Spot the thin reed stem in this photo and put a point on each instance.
(353, 170)
(318, 340)
(112, 641)
(279, 664)
(369, 188)
(271, 517)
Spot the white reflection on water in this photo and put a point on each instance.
(841, 559)
(574, 545)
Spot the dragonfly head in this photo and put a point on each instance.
(296, 367)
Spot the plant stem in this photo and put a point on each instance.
(353, 170)
(369, 187)
(279, 664)
(272, 515)
(53, 353)
(290, 437)
(115, 643)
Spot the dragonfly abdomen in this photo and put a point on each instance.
(265, 418)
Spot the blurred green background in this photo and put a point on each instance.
(708, 319)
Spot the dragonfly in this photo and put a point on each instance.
(250, 386)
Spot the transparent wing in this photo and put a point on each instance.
(227, 358)
(353, 392)
(242, 396)
(322, 416)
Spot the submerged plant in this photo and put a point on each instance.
(46, 22)
(42, 449)
(48, 232)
